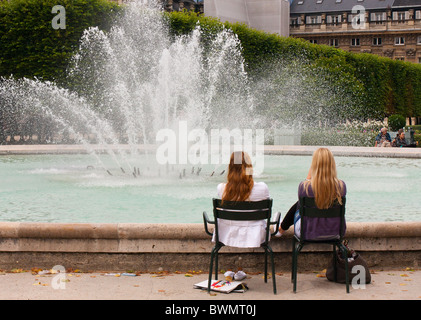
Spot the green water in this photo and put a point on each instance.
(61, 188)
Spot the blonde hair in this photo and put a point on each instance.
(326, 186)
(240, 178)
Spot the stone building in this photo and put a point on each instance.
(267, 15)
(390, 28)
(177, 5)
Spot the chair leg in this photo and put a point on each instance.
(273, 269)
(345, 257)
(210, 268)
(216, 264)
(292, 264)
(297, 250)
(266, 264)
(214, 257)
(335, 274)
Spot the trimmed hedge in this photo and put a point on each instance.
(30, 47)
(387, 86)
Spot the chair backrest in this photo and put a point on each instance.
(242, 210)
(322, 224)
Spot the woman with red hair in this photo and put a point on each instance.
(240, 186)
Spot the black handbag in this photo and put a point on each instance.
(357, 266)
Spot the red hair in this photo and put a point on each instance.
(240, 178)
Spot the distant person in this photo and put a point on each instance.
(383, 139)
(240, 186)
(322, 184)
(400, 142)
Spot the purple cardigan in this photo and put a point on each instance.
(320, 228)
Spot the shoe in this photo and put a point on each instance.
(240, 275)
(278, 234)
(229, 275)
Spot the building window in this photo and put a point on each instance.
(399, 41)
(294, 22)
(313, 19)
(334, 42)
(335, 19)
(377, 41)
(378, 17)
(355, 42)
(313, 41)
(400, 16)
(400, 58)
(418, 14)
(419, 40)
(419, 60)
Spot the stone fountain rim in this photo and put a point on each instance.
(410, 153)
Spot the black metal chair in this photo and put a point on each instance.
(309, 214)
(247, 210)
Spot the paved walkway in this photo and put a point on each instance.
(392, 284)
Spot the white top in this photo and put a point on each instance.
(244, 234)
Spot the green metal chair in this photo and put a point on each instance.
(313, 221)
(247, 210)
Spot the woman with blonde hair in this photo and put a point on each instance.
(240, 186)
(322, 184)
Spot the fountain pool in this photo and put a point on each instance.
(73, 188)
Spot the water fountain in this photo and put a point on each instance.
(124, 87)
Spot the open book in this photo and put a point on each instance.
(222, 286)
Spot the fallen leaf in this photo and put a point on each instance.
(15, 270)
(161, 290)
(404, 275)
(35, 271)
(387, 282)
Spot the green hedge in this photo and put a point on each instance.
(381, 85)
(30, 47)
